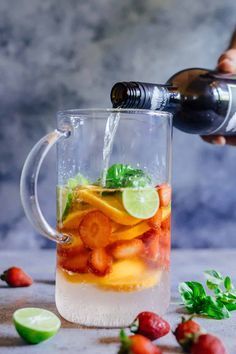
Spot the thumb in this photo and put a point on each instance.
(227, 62)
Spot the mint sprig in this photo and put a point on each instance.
(217, 305)
(125, 176)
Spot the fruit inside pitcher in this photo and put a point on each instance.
(120, 232)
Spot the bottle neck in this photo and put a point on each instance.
(144, 96)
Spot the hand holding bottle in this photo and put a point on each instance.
(227, 64)
(202, 101)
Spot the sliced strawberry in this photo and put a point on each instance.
(100, 262)
(155, 221)
(164, 243)
(76, 264)
(126, 248)
(166, 224)
(95, 230)
(151, 245)
(164, 191)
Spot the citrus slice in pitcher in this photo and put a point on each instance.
(35, 325)
(130, 275)
(64, 200)
(110, 205)
(141, 203)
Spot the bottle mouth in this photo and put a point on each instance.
(126, 95)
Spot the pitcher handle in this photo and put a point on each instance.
(29, 186)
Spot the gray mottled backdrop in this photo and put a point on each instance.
(67, 54)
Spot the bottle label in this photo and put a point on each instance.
(229, 125)
(159, 98)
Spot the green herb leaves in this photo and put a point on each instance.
(123, 176)
(125, 343)
(218, 305)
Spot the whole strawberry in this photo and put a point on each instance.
(208, 344)
(150, 325)
(186, 332)
(16, 277)
(137, 344)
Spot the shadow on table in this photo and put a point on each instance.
(11, 342)
(170, 349)
(165, 348)
(44, 281)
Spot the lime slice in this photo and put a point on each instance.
(64, 199)
(78, 180)
(141, 203)
(35, 325)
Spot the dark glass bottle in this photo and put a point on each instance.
(202, 101)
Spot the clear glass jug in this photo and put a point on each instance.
(113, 212)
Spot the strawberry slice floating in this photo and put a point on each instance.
(95, 230)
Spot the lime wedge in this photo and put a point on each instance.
(141, 203)
(35, 325)
(64, 200)
(78, 180)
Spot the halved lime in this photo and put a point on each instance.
(141, 203)
(35, 325)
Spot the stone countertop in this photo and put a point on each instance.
(186, 265)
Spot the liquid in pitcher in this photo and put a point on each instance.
(117, 263)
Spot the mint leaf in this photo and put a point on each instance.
(193, 295)
(123, 176)
(213, 277)
(228, 284)
(218, 305)
(214, 308)
(230, 307)
(125, 343)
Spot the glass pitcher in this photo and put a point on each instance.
(113, 213)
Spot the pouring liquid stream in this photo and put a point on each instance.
(109, 137)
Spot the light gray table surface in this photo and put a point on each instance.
(186, 265)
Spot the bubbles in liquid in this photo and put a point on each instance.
(90, 306)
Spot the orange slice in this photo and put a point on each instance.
(128, 233)
(70, 249)
(74, 219)
(126, 275)
(110, 205)
(130, 275)
(165, 212)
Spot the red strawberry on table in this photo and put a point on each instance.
(186, 332)
(150, 325)
(208, 344)
(137, 344)
(16, 277)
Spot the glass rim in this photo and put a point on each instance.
(87, 111)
